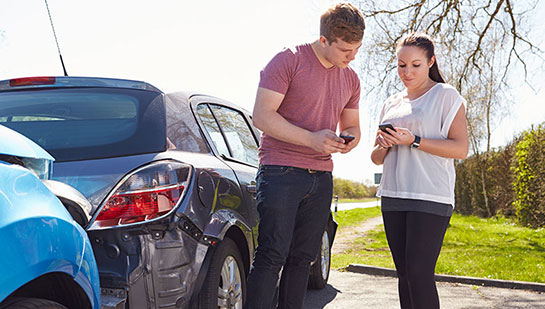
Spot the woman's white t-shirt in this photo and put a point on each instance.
(411, 173)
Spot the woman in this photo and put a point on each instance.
(417, 187)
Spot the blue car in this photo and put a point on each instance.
(46, 259)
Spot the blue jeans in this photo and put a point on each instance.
(294, 206)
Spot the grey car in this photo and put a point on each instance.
(171, 182)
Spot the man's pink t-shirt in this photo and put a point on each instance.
(314, 100)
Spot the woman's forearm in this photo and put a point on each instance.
(378, 155)
(446, 148)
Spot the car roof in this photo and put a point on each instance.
(205, 98)
(72, 81)
(80, 81)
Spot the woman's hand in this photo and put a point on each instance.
(401, 136)
(381, 142)
(382, 145)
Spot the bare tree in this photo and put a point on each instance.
(466, 33)
(479, 43)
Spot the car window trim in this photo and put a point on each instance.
(202, 99)
(209, 139)
(221, 131)
(241, 113)
(237, 161)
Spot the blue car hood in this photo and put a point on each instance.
(15, 144)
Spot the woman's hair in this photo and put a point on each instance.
(342, 21)
(424, 41)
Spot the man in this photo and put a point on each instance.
(303, 94)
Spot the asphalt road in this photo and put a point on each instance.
(347, 206)
(353, 290)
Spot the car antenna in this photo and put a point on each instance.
(56, 41)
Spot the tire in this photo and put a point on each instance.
(31, 303)
(226, 274)
(319, 271)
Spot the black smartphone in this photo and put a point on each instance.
(383, 127)
(347, 138)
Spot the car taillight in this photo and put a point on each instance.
(29, 81)
(146, 194)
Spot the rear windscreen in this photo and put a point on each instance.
(87, 123)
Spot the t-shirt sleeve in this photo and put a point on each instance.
(353, 102)
(452, 101)
(277, 75)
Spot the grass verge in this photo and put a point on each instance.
(493, 248)
(355, 200)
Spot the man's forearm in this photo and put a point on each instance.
(274, 125)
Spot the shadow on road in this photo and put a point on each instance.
(320, 298)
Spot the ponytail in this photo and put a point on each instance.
(435, 74)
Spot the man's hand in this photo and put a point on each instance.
(350, 125)
(350, 145)
(326, 141)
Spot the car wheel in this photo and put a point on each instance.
(319, 272)
(32, 303)
(225, 283)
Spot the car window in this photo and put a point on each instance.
(87, 123)
(211, 126)
(183, 132)
(238, 134)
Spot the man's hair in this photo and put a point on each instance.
(342, 21)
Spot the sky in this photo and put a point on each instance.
(214, 47)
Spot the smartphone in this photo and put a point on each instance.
(347, 138)
(383, 127)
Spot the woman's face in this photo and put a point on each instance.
(413, 66)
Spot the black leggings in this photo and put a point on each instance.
(415, 240)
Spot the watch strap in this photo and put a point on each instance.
(416, 142)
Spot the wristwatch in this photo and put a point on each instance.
(416, 142)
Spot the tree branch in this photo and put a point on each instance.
(472, 56)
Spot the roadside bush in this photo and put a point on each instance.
(466, 186)
(514, 177)
(501, 192)
(495, 170)
(350, 189)
(529, 181)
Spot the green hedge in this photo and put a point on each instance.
(344, 188)
(529, 185)
(515, 181)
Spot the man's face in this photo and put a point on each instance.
(340, 53)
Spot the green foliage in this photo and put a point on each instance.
(514, 178)
(529, 184)
(356, 216)
(353, 190)
(495, 169)
(487, 248)
(356, 200)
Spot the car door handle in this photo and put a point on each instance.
(251, 188)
